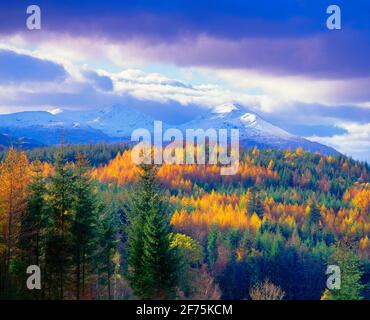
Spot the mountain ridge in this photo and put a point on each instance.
(117, 122)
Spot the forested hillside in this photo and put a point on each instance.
(100, 227)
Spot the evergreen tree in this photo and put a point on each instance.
(84, 224)
(153, 263)
(212, 254)
(33, 221)
(314, 215)
(33, 224)
(108, 241)
(349, 264)
(59, 240)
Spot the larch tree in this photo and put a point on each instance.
(14, 179)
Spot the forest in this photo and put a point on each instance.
(100, 227)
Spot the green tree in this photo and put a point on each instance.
(109, 226)
(61, 196)
(84, 225)
(33, 223)
(191, 257)
(153, 264)
(212, 254)
(351, 274)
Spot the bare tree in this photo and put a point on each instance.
(266, 291)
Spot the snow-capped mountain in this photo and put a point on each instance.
(253, 130)
(229, 116)
(118, 122)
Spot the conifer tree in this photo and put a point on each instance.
(108, 241)
(212, 246)
(61, 198)
(350, 273)
(84, 224)
(153, 264)
(33, 223)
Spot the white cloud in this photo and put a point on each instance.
(356, 142)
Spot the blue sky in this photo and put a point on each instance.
(175, 59)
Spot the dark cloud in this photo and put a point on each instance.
(17, 68)
(282, 36)
(99, 81)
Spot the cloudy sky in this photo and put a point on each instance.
(174, 59)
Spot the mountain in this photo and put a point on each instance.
(117, 123)
(26, 143)
(86, 126)
(253, 130)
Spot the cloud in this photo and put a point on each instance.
(99, 81)
(356, 142)
(305, 106)
(280, 92)
(279, 37)
(18, 68)
(156, 87)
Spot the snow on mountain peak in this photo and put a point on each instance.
(56, 111)
(225, 108)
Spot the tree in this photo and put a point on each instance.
(61, 196)
(191, 258)
(212, 246)
(314, 214)
(349, 264)
(266, 291)
(14, 179)
(84, 225)
(33, 223)
(108, 241)
(153, 264)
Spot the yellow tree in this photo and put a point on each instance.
(14, 178)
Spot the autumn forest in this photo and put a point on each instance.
(100, 227)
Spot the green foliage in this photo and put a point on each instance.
(349, 264)
(190, 259)
(153, 264)
(212, 246)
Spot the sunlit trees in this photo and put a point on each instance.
(14, 179)
(191, 257)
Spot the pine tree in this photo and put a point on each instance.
(59, 239)
(212, 246)
(351, 274)
(33, 223)
(108, 240)
(153, 264)
(314, 215)
(84, 224)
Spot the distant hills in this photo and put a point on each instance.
(36, 128)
